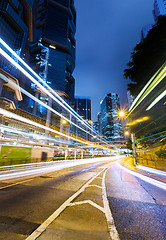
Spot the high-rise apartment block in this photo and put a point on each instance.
(110, 123)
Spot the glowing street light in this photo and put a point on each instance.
(121, 113)
(127, 133)
(64, 122)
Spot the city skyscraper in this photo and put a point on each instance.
(53, 46)
(16, 23)
(15, 30)
(130, 98)
(99, 122)
(42, 33)
(110, 123)
(83, 108)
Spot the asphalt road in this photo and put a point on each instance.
(138, 207)
(26, 204)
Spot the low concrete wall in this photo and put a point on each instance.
(42, 154)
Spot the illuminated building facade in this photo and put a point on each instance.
(53, 47)
(83, 108)
(130, 98)
(16, 23)
(15, 29)
(110, 123)
(99, 122)
(42, 32)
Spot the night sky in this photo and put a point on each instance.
(107, 31)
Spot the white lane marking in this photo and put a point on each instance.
(89, 202)
(49, 220)
(95, 186)
(110, 221)
(87, 169)
(145, 178)
(99, 177)
(14, 184)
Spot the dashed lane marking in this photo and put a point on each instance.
(95, 186)
(49, 220)
(99, 177)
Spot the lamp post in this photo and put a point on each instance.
(122, 114)
(134, 146)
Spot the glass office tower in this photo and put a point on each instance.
(53, 47)
(110, 123)
(15, 21)
(15, 30)
(83, 108)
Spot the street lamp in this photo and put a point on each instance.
(64, 122)
(122, 114)
(127, 133)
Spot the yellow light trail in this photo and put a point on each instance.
(153, 82)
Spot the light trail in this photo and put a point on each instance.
(25, 120)
(153, 82)
(152, 170)
(145, 178)
(163, 94)
(58, 165)
(43, 104)
(61, 102)
(31, 134)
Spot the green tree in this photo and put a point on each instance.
(147, 57)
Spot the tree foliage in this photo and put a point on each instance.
(147, 57)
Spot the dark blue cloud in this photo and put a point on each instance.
(107, 31)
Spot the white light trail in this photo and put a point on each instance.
(61, 102)
(29, 134)
(152, 170)
(145, 178)
(55, 166)
(163, 94)
(25, 120)
(44, 105)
